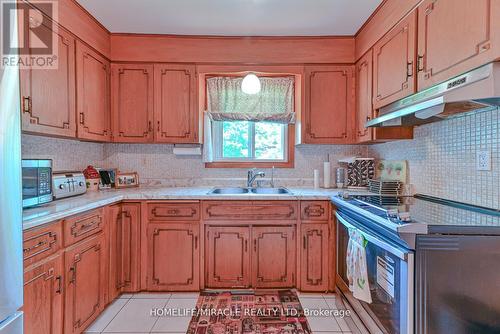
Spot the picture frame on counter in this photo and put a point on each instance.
(108, 178)
(127, 180)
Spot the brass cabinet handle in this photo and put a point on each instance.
(409, 69)
(29, 249)
(196, 242)
(59, 284)
(73, 275)
(420, 63)
(82, 118)
(27, 104)
(304, 241)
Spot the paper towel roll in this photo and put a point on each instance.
(316, 178)
(326, 174)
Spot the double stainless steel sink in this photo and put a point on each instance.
(249, 191)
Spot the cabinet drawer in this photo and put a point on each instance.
(38, 243)
(79, 227)
(174, 211)
(314, 210)
(242, 210)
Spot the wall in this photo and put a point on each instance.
(66, 154)
(442, 158)
(157, 164)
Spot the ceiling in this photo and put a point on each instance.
(233, 17)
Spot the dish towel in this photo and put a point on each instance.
(356, 266)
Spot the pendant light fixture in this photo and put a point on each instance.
(250, 84)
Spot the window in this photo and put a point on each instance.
(250, 141)
(249, 129)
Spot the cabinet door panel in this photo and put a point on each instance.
(329, 109)
(314, 260)
(455, 36)
(49, 103)
(132, 102)
(273, 259)
(93, 90)
(228, 257)
(174, 259)
(176, 115)
(43, 304)
(85, 283)
(394, 63)
(124, 248)
(364, 107)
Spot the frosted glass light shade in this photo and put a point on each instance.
(250, 84)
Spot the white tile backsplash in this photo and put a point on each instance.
(442, 158)
(66, 154)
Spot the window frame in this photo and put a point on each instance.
(218, 145)
(207, 71)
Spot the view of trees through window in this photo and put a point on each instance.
(253, 140)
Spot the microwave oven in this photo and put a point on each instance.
(37, 182)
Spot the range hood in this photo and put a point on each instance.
(477, 89)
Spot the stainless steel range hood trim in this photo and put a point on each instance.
(439, 95)
(406, 111)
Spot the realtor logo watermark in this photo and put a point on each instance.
(36, 44)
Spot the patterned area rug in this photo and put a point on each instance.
(249, 312)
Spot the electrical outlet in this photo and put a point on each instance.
(483, 160)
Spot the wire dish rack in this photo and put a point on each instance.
(388, 188)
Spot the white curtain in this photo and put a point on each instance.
(274, 103)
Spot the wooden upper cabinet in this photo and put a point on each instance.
(132, 102)
(228, 257)
(48, 95)
(173, 257)
(86, 281)
(93, 91)
(455, 36)
(329, 111)
(43, 299)
(364, 106)
(394, 65)
(273, 259)
(175, 107)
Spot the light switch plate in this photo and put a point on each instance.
(483, 160)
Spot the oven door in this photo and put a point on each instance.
(390, 274)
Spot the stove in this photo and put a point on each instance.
(410, 241)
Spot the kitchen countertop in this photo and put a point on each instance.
(66, 207)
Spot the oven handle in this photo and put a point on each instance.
(399, 252)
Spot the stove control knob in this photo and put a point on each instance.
(405, 216)
(393, 213)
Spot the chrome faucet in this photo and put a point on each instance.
(252, 175)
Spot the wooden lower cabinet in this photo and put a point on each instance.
(124, 248)
(273, 258)
(43, 299)
(173, 257)
(228, 257)
(314, 257)
(85, 270)
(243, 256)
